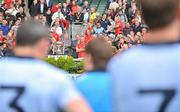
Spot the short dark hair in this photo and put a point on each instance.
(30, 33)
(159, 13)
(100, 51)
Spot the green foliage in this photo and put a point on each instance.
(68, 64)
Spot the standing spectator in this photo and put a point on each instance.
(79, 16)
(57, 15)
(66, 12)
(48, 16)
(74, 43)
(49, 3)
(74, 8)
(42, 7)
(67, 44)
(68, 3)
(80, 48)
(86, 6)
(86, 16)
(87, 36)
(33, 8)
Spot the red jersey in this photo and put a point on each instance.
(81, 54)
(8, 3)
(56, 36)
(1, 39)
(74, 9)
(119, 27)
(87, 38)
(54, 8)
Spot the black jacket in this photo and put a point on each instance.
(44, 9)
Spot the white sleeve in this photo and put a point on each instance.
(54, 16)
(59, 30)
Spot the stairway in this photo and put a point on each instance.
(102, 6)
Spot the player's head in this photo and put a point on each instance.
(159, 13)
(98, 53)
(32, 38)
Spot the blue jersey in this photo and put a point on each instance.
(147, 79)
(95, 86)
(30, 85)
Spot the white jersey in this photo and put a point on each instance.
(30, 85)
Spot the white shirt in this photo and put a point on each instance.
(58, 30)
(42, 8)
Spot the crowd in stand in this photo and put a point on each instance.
(121, 24)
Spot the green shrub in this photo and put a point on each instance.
(68, 64)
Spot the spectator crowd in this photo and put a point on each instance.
(121, 24)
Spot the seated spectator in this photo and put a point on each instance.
(16, 26)
(1, 36)
(137, 27)
(105, 23)
(1, 51)
(114, 5)
(98, 29)
(95, 83)
(12, 10)
(5, 27)
(127, 29)
(122, 16)
(118, 26)
(21, 13)
(92, 15)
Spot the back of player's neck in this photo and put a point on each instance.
(24, 52)
(164, 35)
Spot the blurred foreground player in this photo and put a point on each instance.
(146, 78)
(95, 83)
(28, 84)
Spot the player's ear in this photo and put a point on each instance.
(42, 47)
